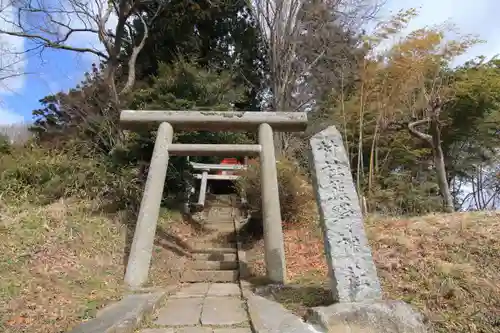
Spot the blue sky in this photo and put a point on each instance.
(61, 70)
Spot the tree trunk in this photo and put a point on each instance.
(442, 179)
(437, 152)
(434, 141)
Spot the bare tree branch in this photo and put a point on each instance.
(53, 25)
(57, 44)
(412, 128)
(133, 59)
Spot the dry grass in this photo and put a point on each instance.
(62, 262)
(306, 268)
(172, 251)
(296, 195)
(446, 265)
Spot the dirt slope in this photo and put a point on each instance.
(60, 263)
(446, 265)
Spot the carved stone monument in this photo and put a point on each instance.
(351, 268)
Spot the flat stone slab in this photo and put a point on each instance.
(197, 329)
(224, 289)
(180, 312)
(192, 290)
(215, 256)
(194, 330)
(211, 276)
(373, 317)
(214, 247)
(123, 316)
(233, 330)
(223, 311)
(213, 265)
(271, 317)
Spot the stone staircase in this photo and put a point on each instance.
(215, 254)
(210, 298)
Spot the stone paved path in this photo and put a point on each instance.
(203, 308)
(211, 302)
(214, 251)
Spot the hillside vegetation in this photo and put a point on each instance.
(445, 265)
(422, 137)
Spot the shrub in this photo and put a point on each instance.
(402, 194)
(5, 146)
(43, 176)
(296, 195)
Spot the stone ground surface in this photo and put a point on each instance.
(203, 308)
(214, 249)
(211, 300)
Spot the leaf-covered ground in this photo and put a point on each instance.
(446, 265)
(62, 262)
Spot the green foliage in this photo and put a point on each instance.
(211, 56)
(83, 122)
(83, 117)
(295, 192)
(5, 147)
(183, 86)
(213, 34)
(401, 193)
(42, 176)
(393, 167)
(472, 117)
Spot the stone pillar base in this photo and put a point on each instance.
(369, 317)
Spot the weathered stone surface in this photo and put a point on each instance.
(214, 265)
(233, 330)
(352, 270)
(215, 256)
(374, 317)
(157, 330)
(224, 227)
(274, 248)
(141, 250)
(211, 246)
(123, 316)
(224, 289)
(192, 290)
(271, 317)
(221, 215)
(215, 250)
(223, 311)
(210, 276)
(193, 330)
(216, 120)
(180, 311)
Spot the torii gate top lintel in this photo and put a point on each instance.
(216, 120)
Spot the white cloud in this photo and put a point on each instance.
(12, 57)
(478, 17)
(77, 14)
(8, 117)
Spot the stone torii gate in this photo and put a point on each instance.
(204, 176)
(264, 122)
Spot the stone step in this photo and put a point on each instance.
(223, 249)
(215, 256)
(213, 265)
(220, 228)
(219, 222)
(211, 276)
